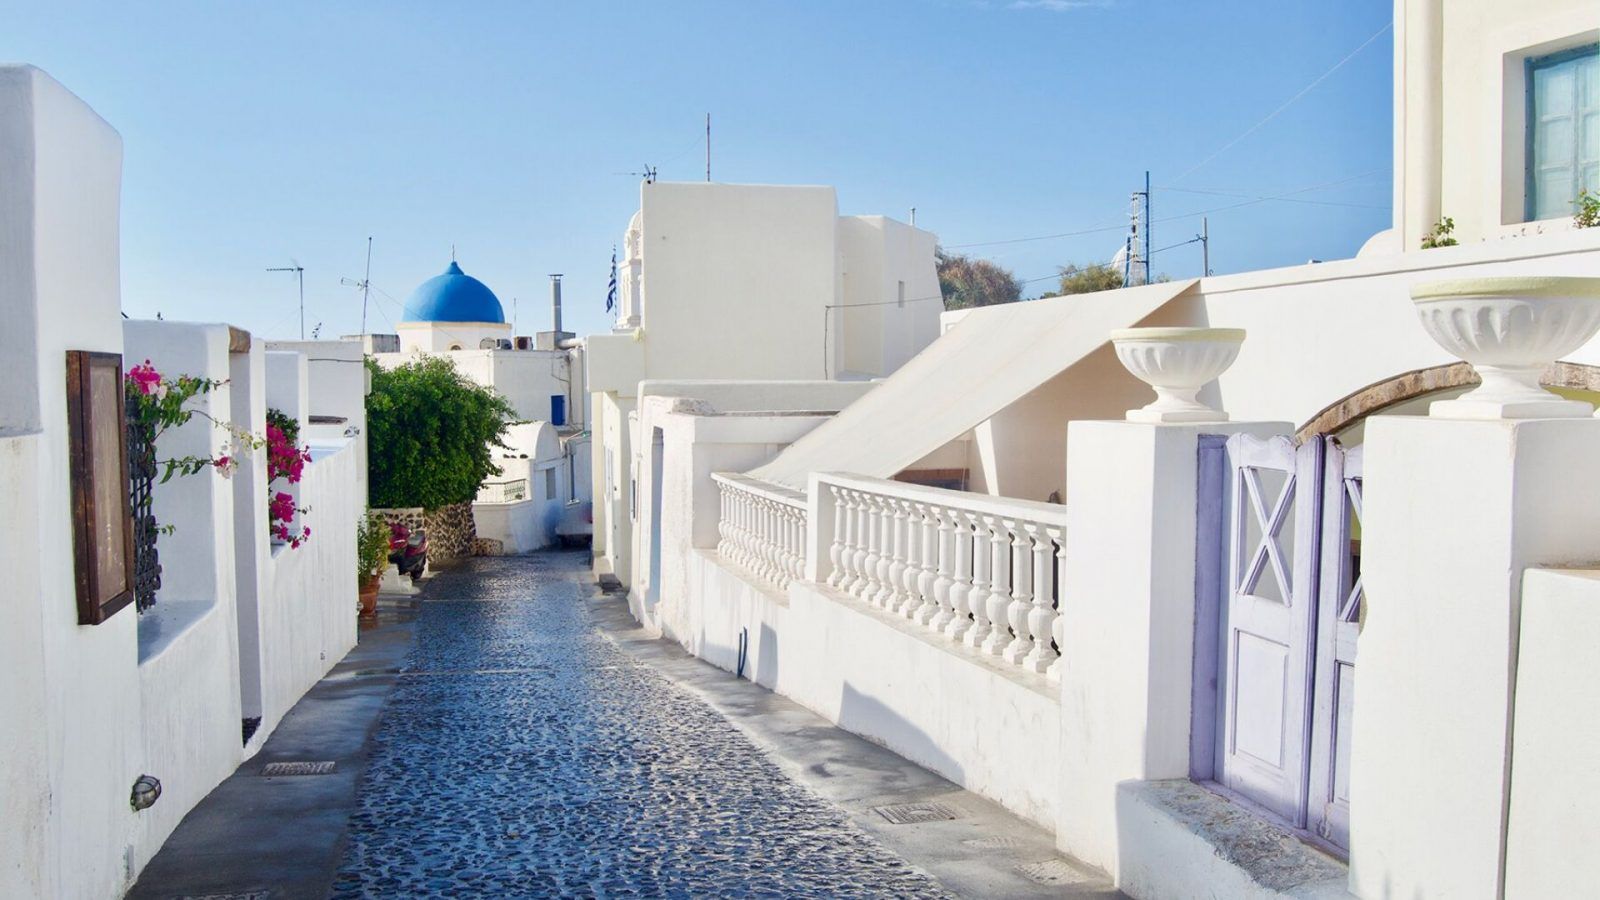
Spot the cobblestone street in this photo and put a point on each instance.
(521, 753)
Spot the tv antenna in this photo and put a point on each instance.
(300, 276)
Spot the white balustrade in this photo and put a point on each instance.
(763, 529)
(978, 571)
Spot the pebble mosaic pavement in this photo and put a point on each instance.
(521, 754)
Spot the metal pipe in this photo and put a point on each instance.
(555, 302)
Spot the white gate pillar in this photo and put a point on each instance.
(1454, 512)
(1128, 612)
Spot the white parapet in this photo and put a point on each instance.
(1455, 512)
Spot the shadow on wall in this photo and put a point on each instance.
(870, 718)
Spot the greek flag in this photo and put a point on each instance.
(611, 291)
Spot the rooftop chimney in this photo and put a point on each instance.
(555, 302)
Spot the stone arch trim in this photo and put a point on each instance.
(1375, 398)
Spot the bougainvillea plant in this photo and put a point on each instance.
(285, 460)
(156, 403)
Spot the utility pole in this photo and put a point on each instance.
(1205, 246)
(1146, 226)
(708, 147)
(300, 275)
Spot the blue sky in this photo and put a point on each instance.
(259, 133)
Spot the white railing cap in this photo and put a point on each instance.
(775, 492)
(1047, 514)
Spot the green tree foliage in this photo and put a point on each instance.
(1088, 279)
(429, 434)
(967, 282)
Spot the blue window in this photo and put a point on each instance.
(558, 410)
(1563, 130)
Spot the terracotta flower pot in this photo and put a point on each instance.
(369, 596)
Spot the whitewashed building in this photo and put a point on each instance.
(106, 694)
(1321, 645)
(742, 282)
(544, 486)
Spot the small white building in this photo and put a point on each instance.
(746, 282)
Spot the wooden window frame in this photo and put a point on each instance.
(92, 608)
(1530, 211)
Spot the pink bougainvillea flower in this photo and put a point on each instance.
(225, 465)
(146, 378)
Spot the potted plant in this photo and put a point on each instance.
(372, 554)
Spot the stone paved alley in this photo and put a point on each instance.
(526, 749)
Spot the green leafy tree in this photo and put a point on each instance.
(1088, 279)
(429, 434)
(967, 282)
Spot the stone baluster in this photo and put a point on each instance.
(797, 543)
(893, 593)
(724, 527)
(978, 597)
(1000, 574)
(869, 560)
(858, 569)
(928, 532)
(735, 526)
(1021, 593)
(961, 591)
(847, 539)
(837, 547)
(910, 599)
(1042, 617)
(1058, 624)
(773, 543)
(945, 579)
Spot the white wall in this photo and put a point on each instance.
(735, 278)
(695, 442)
(615, 457)
(883, 262)
(61, 207)
(1460, 109)
(438, 337)
(336, 388)
(526, 378)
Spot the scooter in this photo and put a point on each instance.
(408, 550)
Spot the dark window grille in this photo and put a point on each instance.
(141, 481)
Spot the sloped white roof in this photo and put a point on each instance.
(980, 366)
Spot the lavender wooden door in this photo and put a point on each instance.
(1338, 612)
(1267, 617)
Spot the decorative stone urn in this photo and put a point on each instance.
(1177, 362)
(1510, 330)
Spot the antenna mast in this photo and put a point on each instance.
(708, 147)
(299, 274)
(366, 286)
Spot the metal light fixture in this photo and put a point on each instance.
(146, 791)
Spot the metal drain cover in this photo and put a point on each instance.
(994, 843)
(297, 768)
(1053, 871)
(910, 813)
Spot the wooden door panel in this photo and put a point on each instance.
(1266, 627)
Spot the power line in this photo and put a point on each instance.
(1252, 196)
(1286, 104)
(1189, 215)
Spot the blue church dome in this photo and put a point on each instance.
(454, 296)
